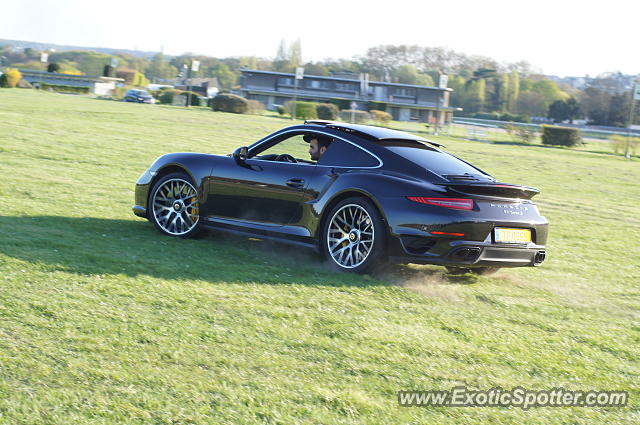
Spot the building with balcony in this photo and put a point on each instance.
(405, 102)
(102, 86)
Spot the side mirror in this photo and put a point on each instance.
(240, 154)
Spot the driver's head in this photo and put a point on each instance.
(318, 145)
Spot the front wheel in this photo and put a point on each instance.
(174, 207)
(353, 236)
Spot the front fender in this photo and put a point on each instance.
(197, 166)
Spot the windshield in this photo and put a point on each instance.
(430, 158)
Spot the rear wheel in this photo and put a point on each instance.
(173, 206)
(353, 237)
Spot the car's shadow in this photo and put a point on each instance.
(97, 246)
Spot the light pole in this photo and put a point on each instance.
(443, 80)
(294, 107)
(195, 66)
(44, 58)
(299, 76)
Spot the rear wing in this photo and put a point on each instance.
(500, 190)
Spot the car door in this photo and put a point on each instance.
(261, 190)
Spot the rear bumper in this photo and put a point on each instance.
(480, 254)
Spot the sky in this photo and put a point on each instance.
(564, 38)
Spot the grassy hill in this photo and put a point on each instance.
(105, 321)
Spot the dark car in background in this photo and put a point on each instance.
(375, 194)
(138, 96)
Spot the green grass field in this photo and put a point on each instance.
(105, 321)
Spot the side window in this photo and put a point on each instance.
(343, 154)
(294, 146)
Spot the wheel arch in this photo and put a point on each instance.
(163, 171)
(168, 169)
(349, 193)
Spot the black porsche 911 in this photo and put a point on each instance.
(374, 194)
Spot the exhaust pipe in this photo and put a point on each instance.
(539, 257)
(466, 254)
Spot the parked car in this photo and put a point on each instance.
(139, 96)
(375, 194)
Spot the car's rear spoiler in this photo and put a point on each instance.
(499, 190)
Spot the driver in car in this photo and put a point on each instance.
(318, 145)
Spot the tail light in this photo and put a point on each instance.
(454, 203)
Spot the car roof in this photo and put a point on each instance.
(370, 131)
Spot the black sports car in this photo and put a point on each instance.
(138, 96)
(374, 194)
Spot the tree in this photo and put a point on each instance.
(619, 108)
(532, 104)
(282, 54)
(595, 105)
(476, 95)
(160, 69)
(550, 92)
(408, 74)
(250, 62)
(573, 109)
(53, 67)
(315, 69)
(225, 77)
(10, 77)
(295, 54)
(558, 111)
(458, 98)
(281, 62)
(425, 80)
(503, 92)
(564, 110)
(92, 63)
(514, 90)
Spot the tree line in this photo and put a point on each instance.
(482, 86)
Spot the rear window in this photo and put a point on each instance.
(427, 157)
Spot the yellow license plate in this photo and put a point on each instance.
(506, 235)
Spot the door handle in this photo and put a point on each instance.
(295, 183)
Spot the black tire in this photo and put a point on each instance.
(173, 206)
(480, 271)
(354, 236)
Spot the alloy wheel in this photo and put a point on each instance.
(350, 236)
(175, 207)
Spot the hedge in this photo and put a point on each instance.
(374, 105)
(359, 116)
(10, 78)
(619, 144)
(230, 103)
(381, 117)
(64, 89)
(195, 98)
(166, 97)
(255, 107)
(327, 111)
(561, 136)
(303, 110)
(496, 116)
(341, 103)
